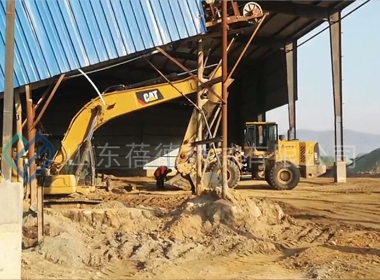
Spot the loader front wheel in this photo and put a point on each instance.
(267, 178)
(284, 176)
(233, 173)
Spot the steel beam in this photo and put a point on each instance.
(292, 82)
(242, 39)
(262, 41)
(336, 66)
(295, 9)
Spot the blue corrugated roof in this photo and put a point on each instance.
(57, 36)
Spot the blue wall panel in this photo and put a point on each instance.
(58, 36)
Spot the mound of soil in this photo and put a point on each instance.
(202, 227)
(367, 164)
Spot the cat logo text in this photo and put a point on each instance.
(146, 97)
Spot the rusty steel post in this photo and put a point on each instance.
(47, 102)
(200, 103)
(36, 193)
(20, 144)
(31, 151)
(8, 89)
(336, 67)
(40, 213)
(42, 98)
(224, 98)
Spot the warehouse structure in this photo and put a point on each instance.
(57, 40)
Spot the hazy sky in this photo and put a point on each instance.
(361, 79)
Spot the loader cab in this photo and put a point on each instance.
(263, 136)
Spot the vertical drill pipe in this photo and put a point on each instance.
(31, 151)
(8, 89)
(40, 214)
(20, 144)
(27, 97)
(39, 191)
(199, 122)
(224, 98)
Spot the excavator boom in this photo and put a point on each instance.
(95, 114)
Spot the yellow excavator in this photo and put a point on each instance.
(75, 156)
(72, 168)
(279, 161)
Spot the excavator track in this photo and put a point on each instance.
(78, 201)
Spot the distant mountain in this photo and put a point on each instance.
(356, 143)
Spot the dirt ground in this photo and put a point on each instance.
(317, 231)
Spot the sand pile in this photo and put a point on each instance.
(367, 164)
(152, 237)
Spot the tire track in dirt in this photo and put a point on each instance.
(169, 202)
(221, 267)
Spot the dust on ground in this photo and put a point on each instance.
(317, 231)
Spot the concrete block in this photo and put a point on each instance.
(340, 172)
(11, 205)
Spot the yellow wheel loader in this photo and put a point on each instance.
(279, 161)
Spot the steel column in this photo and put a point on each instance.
(336, 66)
(8, 89)
(224, 98)
(291, 69)
(261, 117)
(10, 193)
(261, 98)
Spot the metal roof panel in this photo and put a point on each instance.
(58, 36)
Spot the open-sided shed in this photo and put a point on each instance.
(265, 79)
